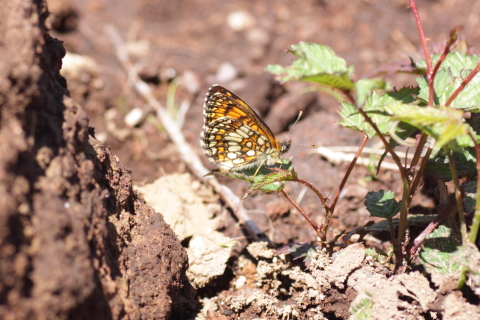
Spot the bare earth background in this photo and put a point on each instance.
(78, 241)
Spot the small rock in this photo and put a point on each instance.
(134, 117)
(240, 20)
(226, 72)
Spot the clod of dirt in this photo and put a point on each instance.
(75, 240)
(345, 262)
(65, 15)
(207, 257)
(176, 197)
(260, 250)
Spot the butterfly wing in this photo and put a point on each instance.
(234, 136)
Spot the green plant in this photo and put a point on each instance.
(435, 110)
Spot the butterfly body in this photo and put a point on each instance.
(234, 137)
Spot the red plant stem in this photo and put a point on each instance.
(406, 189)
(390, 150)
(419, 174)
(418, 151)
(430, 75)
(432, 226)
(451, 40)
(315, 190)
(322, 236)
(426, 53)
(347, 174)
(328, 212)
(463, 84)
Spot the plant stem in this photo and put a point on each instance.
(392, 232)
(463, 84)
(322, 236)
(390, 150)
(476, 218)
(426, 53)
(451, 41)
(315, 190)
(328, 213)
(458, 197)
(419, 173)
(432, 226)
(349, 171)
(403, 223)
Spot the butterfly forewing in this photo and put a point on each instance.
(234, 136)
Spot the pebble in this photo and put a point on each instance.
(240, 20)
(226, 72)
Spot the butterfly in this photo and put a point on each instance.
(234, 137)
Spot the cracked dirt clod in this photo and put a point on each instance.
(207, 257)
(75, 241)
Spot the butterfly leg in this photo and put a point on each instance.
(258, 169)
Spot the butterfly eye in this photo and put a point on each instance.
(286, 146)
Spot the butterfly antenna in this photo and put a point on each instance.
(288, 135)
(293, 125)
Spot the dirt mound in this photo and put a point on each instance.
(75, 241)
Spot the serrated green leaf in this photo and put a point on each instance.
(413, 220)
(272, 179)
(382, 204)
(316, 63)
(266, 179)
(363, 310)
(444, 124)
(376, 107)
(465, 164)
(364, 87)
(436, 255)
(403, 131)
(456, 67)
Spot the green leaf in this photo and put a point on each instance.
(372, 252)
(364, 87)
(363, 310)
(456, 67)
(382, 204)
(315, 63)
(465, 163)
(376, 108)
(437, 253)
(267, 179)
(413, 220)
(274, 181)
(444, 124)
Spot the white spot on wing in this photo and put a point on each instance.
(234, 148)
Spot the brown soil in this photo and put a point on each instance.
(76, 240)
